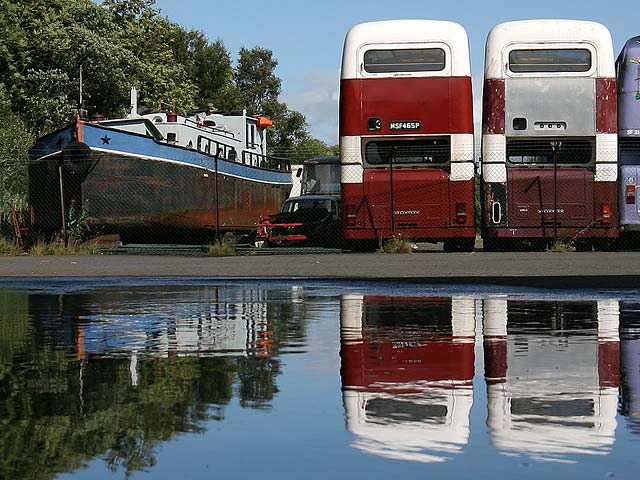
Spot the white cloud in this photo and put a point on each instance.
(318, 102)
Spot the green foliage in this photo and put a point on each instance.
(42, 248)
(225, 248)
(289, 132)
(8, 246)
(14, 143)
(560, 246)
(397, 244)
(255, 78)
(312, 147)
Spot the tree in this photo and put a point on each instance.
(14, 142)
(255, 78)
(290, 129)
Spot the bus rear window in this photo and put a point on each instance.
(550, 60)
(629, 151)
(404, 60)
(541, 152)
(433, 150)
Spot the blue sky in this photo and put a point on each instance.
(306, 36)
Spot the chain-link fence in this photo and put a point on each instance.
(551, 194)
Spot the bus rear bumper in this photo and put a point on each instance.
(549, 232)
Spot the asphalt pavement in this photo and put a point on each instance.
(539, 269)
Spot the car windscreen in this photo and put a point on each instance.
(327, 205)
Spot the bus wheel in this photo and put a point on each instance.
(583, 245)
(493, 245)
(459, 244)
(364, 246)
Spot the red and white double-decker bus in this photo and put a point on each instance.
(406, 133)
(549, 147)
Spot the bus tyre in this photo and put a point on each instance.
(459, 244)
(583, 245)
(494, 245)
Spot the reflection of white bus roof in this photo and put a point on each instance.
(407, 34)
(537, 33)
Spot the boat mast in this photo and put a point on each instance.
(82, 111)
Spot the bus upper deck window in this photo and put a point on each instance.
(404, 60)
(555, 60)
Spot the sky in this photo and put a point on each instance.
(306, 37)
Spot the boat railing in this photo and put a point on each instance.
(212, 147)
(217, 130)
(265, 161)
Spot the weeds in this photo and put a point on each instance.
(224, 248)
(42, 248)
(560, 246)
(396, 244)
(9, 247)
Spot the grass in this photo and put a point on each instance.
(560, 246)
(396, 244)
(221, 249)
(41, 248)
(9, 247)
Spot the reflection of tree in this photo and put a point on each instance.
(256, 376)
(58, 412)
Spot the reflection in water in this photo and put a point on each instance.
(552, 376)
(115, 372)
(407, 368)
(630, 364)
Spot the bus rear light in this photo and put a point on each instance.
(631, 194)
(461, 213)
(351, 218)
(606, 213)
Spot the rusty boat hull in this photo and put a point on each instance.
(145, 190)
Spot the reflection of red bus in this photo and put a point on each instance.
(407, 371)
(549, 146)
(406, 133)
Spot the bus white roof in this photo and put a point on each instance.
(396, 32)
(538, 32)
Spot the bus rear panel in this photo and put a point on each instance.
(628, 73)
(406, 133)
(549, 122)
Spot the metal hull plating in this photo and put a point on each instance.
(154, 192)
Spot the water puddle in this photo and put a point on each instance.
(156, 380)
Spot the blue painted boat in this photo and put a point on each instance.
(158, 176)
